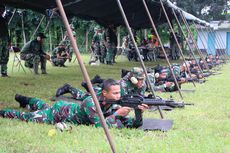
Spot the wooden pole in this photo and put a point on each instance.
(137, 51)
(85, 74)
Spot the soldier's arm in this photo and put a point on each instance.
(90, 110)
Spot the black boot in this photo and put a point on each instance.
(2, 113)
(97, 79)
(63, 90)
(23, 100)
(84, 84)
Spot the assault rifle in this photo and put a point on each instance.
(134, 100)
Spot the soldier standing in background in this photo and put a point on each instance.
(4, 43)
(111, 44)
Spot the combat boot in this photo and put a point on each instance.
(84, 84)
(23, 100)
(97, 79)
(2, 113)
(63, 90)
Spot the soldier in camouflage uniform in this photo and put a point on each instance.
(98, 45)
(133, 82)
(4, 43)
(68, 43)
(60, 55)
(111, 44)
(33, 54)
(84, 113)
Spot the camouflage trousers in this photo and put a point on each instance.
(110, 53)
(81, 95)
(4, 55)
(33, 59)
(60, 112)
(58, 62)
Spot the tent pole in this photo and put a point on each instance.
(23, 29)
(37, 27)
(217, 38)
(203, 36)
(178, 22)
(213, 33)
(162, 46)
(178, 45)
(85, 74)
(12, 16)
(199, 35)
(138, 52)
(225, 47)
(50, 18)
(193, 39)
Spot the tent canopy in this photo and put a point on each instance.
(104, 11)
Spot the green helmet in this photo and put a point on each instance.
(138, 72)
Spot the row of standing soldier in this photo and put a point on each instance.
(104, 44)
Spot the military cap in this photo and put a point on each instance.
(138, 72)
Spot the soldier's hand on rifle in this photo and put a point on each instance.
(123, 111)
(143, 107)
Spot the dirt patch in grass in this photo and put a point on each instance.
(26, 84)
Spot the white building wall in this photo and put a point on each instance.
(220, 39)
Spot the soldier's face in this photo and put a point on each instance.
(114, 93)
(140, 83)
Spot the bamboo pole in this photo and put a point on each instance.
(137, 51)
(162, 46)
(178, 22)
(85, 74)
(178, 45)
(193, 39)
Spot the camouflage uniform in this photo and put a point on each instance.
(69, 46)
(127, 87)
(62, 53)
(160, 84)
(98, 45)
(111, 41)
(33, 53)
(84, 113)
(4, 42)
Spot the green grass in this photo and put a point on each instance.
(202, 128)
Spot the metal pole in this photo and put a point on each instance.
(194, 42)
(85, 74)
(50, 18)
(178, 45)
(203, 36)
(37, 27)
(162, 46)
(178, 22)
(138, 52)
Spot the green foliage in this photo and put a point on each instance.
(202, 128)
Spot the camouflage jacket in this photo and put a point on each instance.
(33, 47)
(127, 87)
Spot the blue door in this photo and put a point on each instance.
(228, 43)
(211, 43)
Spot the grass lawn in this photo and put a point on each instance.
(202, 128)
